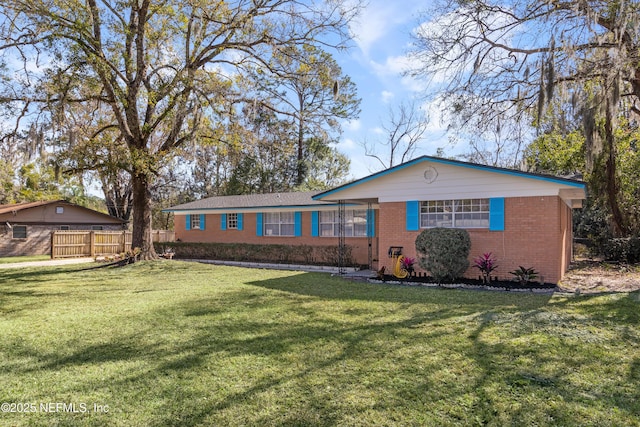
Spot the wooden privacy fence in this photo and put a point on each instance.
(84, 243)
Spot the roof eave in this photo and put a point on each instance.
(530, 175)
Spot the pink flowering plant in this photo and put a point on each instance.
(407, 263)
(486, 263)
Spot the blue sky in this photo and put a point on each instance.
(375, 64)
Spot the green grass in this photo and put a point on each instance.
(173, 343)
(12, 259)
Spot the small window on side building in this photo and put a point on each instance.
(19, 231)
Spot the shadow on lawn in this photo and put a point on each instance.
(614, 307)
(214, 339)
(24, 284)
(219, 338)
(509, 369)
(33, 274)
(228, 328)
(275, 340)
(322, 285)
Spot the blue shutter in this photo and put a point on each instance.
(413, 215)
(315, 223)
(371, 223)
(496, 214)
(298, 224)
(202, 224)
(187, 224)
(223, 222)
(259, 224)
(240, 221)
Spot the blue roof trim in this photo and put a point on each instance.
(258, 208)
(513, 172)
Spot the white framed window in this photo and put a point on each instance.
(64, 228)
(19, 232)
(59, 209)
(195, 222)
(232, 221)
(279, 224)
(465, 213)
(355, 223)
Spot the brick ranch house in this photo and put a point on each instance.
(25, 228)
(524, 219)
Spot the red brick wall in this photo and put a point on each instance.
(214, 233)
(537, 234)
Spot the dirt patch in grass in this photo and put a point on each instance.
(593, 276)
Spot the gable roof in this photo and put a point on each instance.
(577, 188)
(17, 207)
(251, 202)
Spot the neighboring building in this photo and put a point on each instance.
(25, 228)
(524, 219)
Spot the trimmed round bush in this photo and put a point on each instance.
(444, 252)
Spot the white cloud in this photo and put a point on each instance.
(372, 25)
(380, 22)
(347, 144)
(387, 96)
(353, 125)
(394, 67)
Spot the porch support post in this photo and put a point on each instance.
(341, 241)
(370, 227)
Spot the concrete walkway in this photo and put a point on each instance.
(47, 263)
(273, 266)
(349, 272)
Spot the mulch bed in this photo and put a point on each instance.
(494, 285)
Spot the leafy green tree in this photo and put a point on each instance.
(326, 166)
(158, 67)
(556, 153)
(500, 63)
(39, 180)
(306, 86)
(7, 190)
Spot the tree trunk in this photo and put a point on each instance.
(142, 237)
(301, 167)
(618, 226)
(118, 204)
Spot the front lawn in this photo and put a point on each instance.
(26, 258)
(176, 343)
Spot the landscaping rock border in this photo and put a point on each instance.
(546, 290)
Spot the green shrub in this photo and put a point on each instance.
(624, 249)
(524, 275)
(330, 255)
(280, 254)
(444, 252)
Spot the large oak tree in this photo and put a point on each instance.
(499, 62)
(151, 69)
